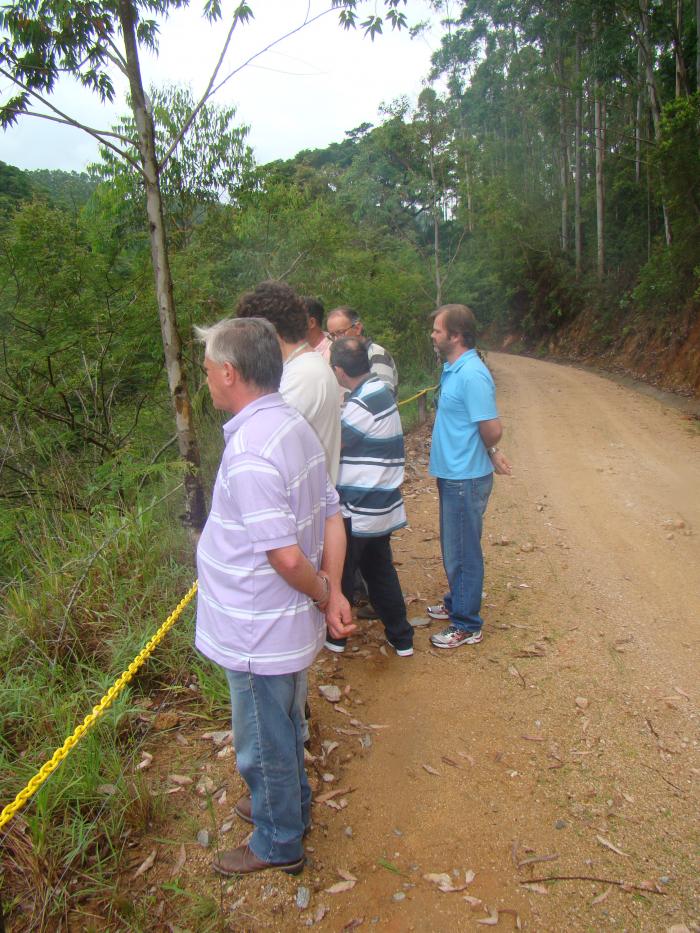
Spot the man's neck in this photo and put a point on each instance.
(455, 354)
(315, 338)
(357, 381)
(293, 349)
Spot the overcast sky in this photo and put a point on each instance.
(305, 93)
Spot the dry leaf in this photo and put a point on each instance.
(536, 888)
(491, 920)
(582, 702)
(107, 789)
(609, 845)
(601, 897)
(345, 875)
(341, 709)
(145, 762)
(180, 779)
(340, 887)
(320, 914)
(449, 761)
(329, 795)
(532, 738)
(145, 865)
(469, 758)
(469, 876)
(472, 901)
(181, 859)
(431, 770)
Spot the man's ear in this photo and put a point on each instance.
(231, 374)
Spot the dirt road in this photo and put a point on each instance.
(566, 744)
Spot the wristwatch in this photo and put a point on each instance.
(491, 451)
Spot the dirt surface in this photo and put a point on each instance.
(565, 744)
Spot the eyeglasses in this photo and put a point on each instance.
(341, 333)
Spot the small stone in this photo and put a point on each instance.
(670, 536)
(665, 879)
(679, 523)
(397, 832)
(330, 692)
(348, 831)
(560, 824)
(303, 898)
(205, 786)
(203, 838)
(327, 777)
(399, 896)
(527, 547)
(582, 702)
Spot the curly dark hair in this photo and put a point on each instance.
(280, 305)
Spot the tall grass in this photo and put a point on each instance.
(82, 593)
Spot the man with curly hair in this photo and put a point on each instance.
(308, 383)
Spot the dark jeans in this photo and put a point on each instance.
(373, 557)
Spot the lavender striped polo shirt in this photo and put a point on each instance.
(272, 490)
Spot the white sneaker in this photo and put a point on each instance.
(439, 612)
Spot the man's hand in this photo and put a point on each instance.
(339, 615)
(501, 464)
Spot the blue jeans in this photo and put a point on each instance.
(267, 736)
(462, 506)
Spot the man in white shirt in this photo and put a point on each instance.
(308, 383)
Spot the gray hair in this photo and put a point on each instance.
(248, 344)
(348, 312)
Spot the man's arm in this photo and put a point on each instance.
(338, 611)
(295, 569)
(491, 432)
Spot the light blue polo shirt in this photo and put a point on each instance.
(467, 396)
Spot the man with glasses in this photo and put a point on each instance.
(345, 322)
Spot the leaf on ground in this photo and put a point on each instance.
(385, 863)
(431, 770)
(469, 758)
(182, 780)
(329, 746)
(145, 762)
(341, 709)
(534, 859)
(469, 876)
(609, 845)
(181, 859)
(472, 901)
(450, 762)
(357, 922)
(330, 794)
(582, 702)
(346, 875)
(320, 913)
(491, 920)
(107, 789)
(219, 737)
(377, 725)
(517, 925)
(681, 692)
(601, 897)
(532, 738)
(329, 692)
(145, 865)
(441, 879)
(340, 887)
(536, 888)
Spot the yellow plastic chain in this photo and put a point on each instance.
(62, 753)
(417, 395)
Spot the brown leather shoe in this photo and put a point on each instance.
(242, 861)
(244, 809)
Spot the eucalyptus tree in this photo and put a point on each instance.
(92, 41)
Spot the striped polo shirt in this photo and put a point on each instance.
(371, 460)
(272, 490)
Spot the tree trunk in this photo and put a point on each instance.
(638, 120)
(697, 45)
(436, 225)
(654, 99)
(578, 245)
(195, 512)
(599, 130)
(563, 172)
(682, 86)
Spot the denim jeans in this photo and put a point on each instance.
(267, 736)
(462, 506)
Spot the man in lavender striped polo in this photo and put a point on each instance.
(269, 561)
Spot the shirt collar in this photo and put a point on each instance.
(265, 402)
(460, 361)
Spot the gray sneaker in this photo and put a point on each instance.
(453, 637)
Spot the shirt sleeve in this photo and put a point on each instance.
(263, 503)
(480, 397)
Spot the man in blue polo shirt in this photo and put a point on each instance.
(463, 457)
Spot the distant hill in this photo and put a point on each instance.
(69, 190)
